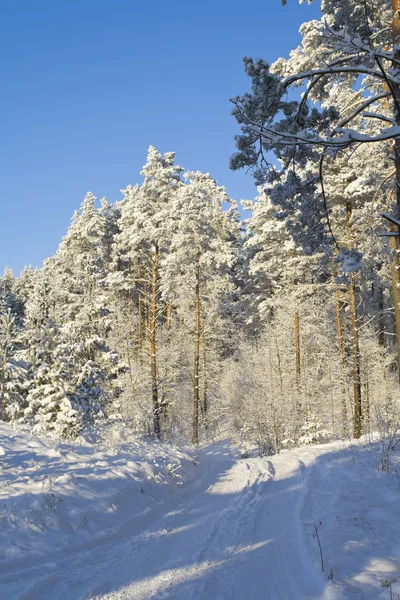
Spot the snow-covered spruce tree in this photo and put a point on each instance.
(39, 303)
(48, 407)
(72, 378)
(125, 298)
(14, 379)
(249, 287)
(355, 45)
(10, 296)
(26, 283)
(279, 262)
(70, 304)
(196, 273)
(78, 266)
(141, 248)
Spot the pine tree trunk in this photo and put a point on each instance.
(153, 342)
(395, 276)
(345, 430)
(396, 21)
(394, 241)
(357, 408)
(196, 394)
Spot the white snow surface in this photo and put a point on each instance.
(149, 521)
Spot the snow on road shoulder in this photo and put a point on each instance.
(145, 522)
(62, 496)
(356, 508)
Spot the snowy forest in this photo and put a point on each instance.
(199, 397)
(170, 313)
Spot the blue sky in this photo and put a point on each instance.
(88, 85)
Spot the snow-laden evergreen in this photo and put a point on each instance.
(162, 318)
(163, 312)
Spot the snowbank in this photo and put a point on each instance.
(356, 508)
(144, 522)
(60, 497)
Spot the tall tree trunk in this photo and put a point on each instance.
(366, 409)
(153, 342)
(395, 276)
(394, 240)
(196, 390)
(345, 430)
(357, 408)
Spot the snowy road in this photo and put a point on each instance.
(236, 535)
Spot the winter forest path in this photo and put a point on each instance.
(236, 535)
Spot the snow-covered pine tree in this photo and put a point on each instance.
(355, 46)
(14, 380)
(141, 248)
(10, 298)
(74, 311)
(197, 279)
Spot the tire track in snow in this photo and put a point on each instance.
(221, 544)
(238, 538)
(251, 545)
(124, 545)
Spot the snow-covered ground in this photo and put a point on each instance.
(154, 522)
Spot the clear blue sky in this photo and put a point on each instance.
(88, 85)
